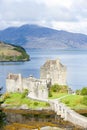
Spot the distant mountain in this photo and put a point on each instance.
(33, 36)
(10, 52)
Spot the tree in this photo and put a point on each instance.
(84, 91)
(2, 114)
(59, 88)
(84, 101)
(78, 91)
(55, 88)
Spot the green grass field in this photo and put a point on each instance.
(57, 95)
(16, 100)
(74, 101)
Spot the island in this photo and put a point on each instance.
(31, 103)
(10, 53)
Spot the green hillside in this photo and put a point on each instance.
(9, 52)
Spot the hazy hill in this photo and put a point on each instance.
(10, 52)
(33, 36)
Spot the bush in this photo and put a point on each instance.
(84, 91)
(55, 88)
(64, 89)
(25, 93)
(49, 94)
(78, 91)
(6, 95)
(36, 103)
(84, 101)
(59, 88)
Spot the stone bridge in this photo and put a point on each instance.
(65, 112)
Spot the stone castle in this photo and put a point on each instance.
(55, 71)
(52, 72)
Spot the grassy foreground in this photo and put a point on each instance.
(74, 101)
(57, 95)
(18, 99)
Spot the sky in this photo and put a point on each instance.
(69, 15)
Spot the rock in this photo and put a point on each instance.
(4, 105)
(24, 106)
(50, 128)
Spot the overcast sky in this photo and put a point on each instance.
(70, 15)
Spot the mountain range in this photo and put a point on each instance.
(34, 36)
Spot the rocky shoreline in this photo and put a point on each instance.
(44, 119)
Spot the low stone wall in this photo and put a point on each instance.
(65, 112)
(68, 114)
(77, 119)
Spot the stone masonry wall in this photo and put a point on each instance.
(36, 87)
(54, 70)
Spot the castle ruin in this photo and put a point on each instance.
(50, 73)
(54, 70)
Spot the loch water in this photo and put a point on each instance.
(75, 61)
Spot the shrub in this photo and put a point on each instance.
(35, 103)
(25, 93)
(6, 95)
(84, 91)
(84, 101)
(55, 88)
(59, 88)
(49, 94)
(78, 91)
(67, 102)
(47, 104)
(64, 89)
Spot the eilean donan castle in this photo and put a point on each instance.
(52, 72)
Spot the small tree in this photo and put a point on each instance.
(84, 101)
(84, 91)
(55, 88)
(78, 91)
(25, 93)
(50, 94)
(59, 88)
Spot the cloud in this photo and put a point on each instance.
(71, 26)
(70, 15)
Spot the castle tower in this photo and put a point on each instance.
(55, 71)
(14, 83)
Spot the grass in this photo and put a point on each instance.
(57, 95)
(74, 101)
(16, 100)
(9, 52)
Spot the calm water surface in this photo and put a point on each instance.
(75, 60)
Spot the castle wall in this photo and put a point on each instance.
(42, 89)
(51, 72)
(54, 70)
(68, 115)
(36, 87)
(14, 83)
